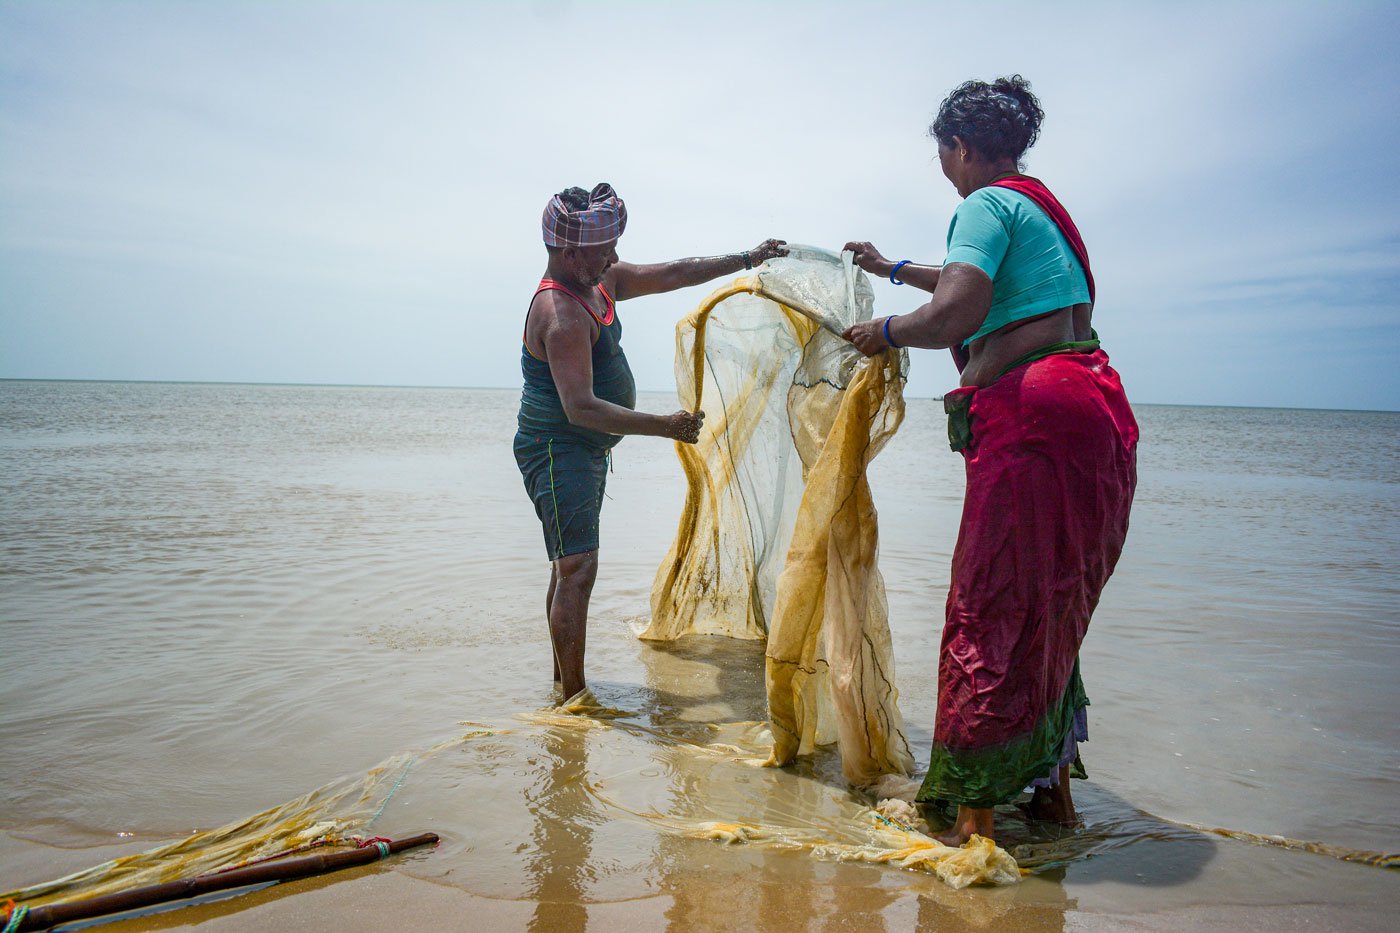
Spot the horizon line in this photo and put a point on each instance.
(381, 385)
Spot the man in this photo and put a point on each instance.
(579, 395)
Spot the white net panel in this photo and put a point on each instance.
(778, 536)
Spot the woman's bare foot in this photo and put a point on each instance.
(1054, 804)
(971, 821)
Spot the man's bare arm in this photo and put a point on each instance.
(629, 280)
(567, 335)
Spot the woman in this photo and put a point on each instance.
(1050, 448)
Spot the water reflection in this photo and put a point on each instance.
(940, 911)
(558, 864)
(703, 678)
(743, 887)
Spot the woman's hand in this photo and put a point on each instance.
(684, 426)
(869, 258)
(768, 249)
(868, 336)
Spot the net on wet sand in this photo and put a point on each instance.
(778, 535)
(612, 771)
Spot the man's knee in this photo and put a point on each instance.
(577, 570)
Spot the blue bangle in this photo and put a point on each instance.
(895, 271)
(888, 339)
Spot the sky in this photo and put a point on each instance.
(350, 193)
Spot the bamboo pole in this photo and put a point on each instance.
(41, 918)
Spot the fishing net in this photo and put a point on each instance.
(777, 541)
(327, 816)
(778, 536)
(582, 780)
(594, 805)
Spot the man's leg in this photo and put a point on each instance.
(570, 587)
(549, 608)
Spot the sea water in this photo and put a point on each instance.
(214, 598)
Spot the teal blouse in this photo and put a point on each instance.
(1031, 265)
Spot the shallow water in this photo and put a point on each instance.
(216, 598)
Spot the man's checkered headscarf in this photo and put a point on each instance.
(604, 219)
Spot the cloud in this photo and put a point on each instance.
(350, 193)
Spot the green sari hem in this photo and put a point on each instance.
(996, 774)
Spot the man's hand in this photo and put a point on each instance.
(684, 426)
(868, 336)
(768, 249)
(869, 258)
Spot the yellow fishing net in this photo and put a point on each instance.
(619, 777)
(327, 816)
(777, 541)
(778, 536)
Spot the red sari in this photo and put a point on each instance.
(1051, 460)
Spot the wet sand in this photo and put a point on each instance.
(382, 897)
(385, 899)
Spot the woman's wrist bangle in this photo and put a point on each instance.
(888, 339)
(895, 271)
(748, 260)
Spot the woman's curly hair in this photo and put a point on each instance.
(998, 119)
